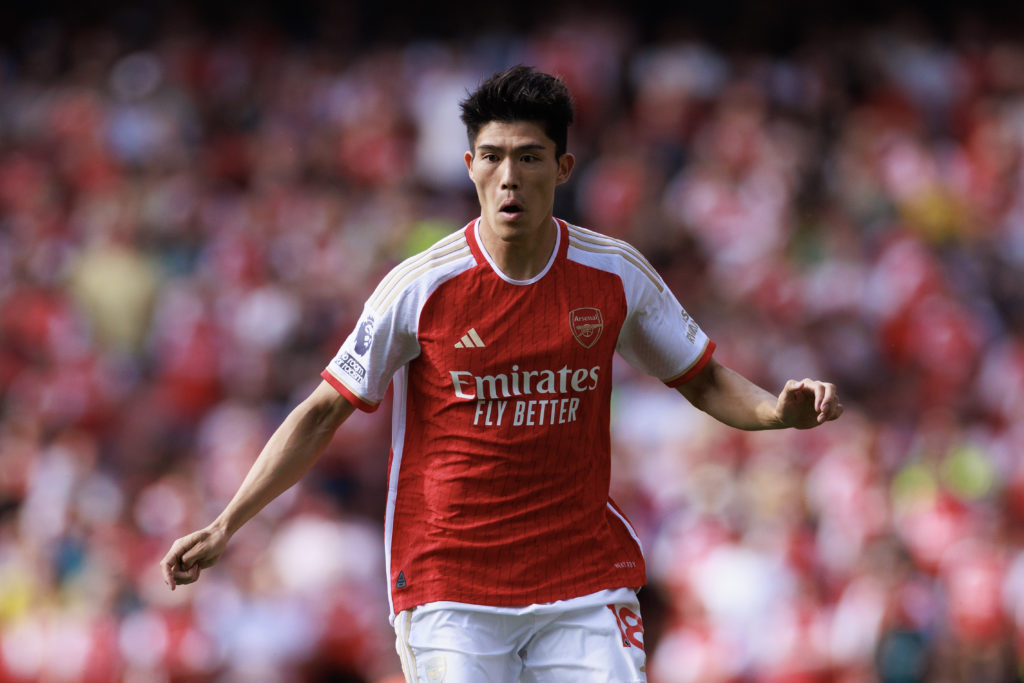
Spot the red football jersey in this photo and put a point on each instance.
(500, 459)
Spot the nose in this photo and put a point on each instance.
(509, 175)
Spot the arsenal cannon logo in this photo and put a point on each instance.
(586, 325)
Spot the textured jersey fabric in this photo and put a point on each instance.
(500, 460)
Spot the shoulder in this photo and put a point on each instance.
(594, 249)
(422, 273)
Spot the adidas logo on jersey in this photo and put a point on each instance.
(470, 340)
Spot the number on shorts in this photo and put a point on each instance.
(631, 626)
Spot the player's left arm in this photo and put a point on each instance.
(734, 400)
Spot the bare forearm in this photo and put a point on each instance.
(287, 456)
(731, 398)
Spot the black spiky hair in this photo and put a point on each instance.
(521, 93)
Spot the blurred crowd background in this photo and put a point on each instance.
(195, 202)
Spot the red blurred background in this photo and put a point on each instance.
(195, 201)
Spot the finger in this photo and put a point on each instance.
(187, 576)
(169, 564)
(829, 399)
(832, 412)
(192, 557)
(792, 387)
(168, 573)
(183, 577)
(819, 390)
(172, 561)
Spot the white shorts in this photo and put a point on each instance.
(585, 640)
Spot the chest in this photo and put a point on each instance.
(566, 322)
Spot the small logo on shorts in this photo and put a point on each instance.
(400, 583)
(435, 669)
(586, 325)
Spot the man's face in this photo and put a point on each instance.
(515, 171)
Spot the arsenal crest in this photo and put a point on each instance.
(586, 325)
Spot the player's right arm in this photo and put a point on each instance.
(287, 456)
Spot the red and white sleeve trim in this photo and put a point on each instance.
(356, 400)
(690, 372)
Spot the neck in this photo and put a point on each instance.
(520, 257)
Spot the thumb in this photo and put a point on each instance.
(190, 559)
(203, 554)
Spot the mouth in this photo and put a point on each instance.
(511, 209)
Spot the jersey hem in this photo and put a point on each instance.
(603, 596)
(634, 579)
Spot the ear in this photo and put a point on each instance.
(468, 158)
(565, 165)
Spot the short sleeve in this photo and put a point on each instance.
(386, 336)
(380, 344)
(659, 337)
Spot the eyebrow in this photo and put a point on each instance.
(522, 148)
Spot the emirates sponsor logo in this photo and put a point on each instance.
(523, 382)
(557, 395)
(586, 325)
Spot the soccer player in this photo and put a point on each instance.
(506, 559)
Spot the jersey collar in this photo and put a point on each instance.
(481, 255)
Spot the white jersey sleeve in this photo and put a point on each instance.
(385, 338)
(659, 337)
(380, 344)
